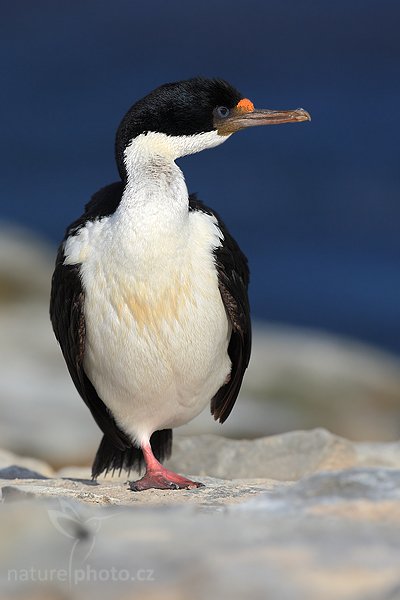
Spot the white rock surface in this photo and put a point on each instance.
(285, 457)
(305, 515)
(323, 522)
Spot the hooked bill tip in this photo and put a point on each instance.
(304, 113)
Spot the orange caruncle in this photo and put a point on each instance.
(245, 105)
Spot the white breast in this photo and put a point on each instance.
(156, 328)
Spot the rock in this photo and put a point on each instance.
(377, 454)
(323, 521)
(352, 484)
(13, 467)
(10, 493)
(284, 457)
(310, 378)
(291, 542)
(16, 472)
(216, 493)
(335, 488)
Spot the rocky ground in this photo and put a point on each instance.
(305, 515)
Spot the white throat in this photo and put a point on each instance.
(156, 194)
(170, 146)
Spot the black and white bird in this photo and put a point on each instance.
(149, 294)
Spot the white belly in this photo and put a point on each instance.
(156, 330)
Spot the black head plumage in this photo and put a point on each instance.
(180, 108)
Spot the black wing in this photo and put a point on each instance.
(67, 315)
(233, 280)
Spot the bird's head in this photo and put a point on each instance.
(185, 117)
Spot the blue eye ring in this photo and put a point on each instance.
(222, 112)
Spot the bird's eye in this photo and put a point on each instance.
(222, 111)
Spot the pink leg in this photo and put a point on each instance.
(158, 477)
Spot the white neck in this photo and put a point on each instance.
(156, 196)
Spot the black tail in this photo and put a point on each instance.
(109, 457)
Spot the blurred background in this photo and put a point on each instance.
(314, 206)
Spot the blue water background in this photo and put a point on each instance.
(315, 206)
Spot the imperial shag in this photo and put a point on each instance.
(149, 294)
